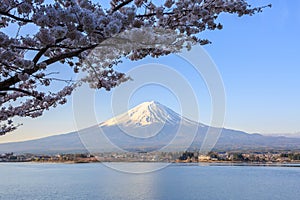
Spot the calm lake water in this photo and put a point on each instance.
(96, 181)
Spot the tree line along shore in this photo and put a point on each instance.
(179, 157)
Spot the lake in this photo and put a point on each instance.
(177, 181)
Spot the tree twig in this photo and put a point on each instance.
(121, 5)
(15, 17)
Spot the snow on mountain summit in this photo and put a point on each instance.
(145, 114)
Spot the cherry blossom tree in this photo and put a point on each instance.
(67, 31)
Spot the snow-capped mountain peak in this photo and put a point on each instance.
(145, 114)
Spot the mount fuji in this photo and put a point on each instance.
(149, 126)
(147, 114)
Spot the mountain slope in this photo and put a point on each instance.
(145, 114)
(66, 143)
(149, 126)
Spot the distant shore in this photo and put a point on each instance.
(230, 158)
(214, 163)
(220, 164)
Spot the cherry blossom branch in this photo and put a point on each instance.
(68, 55)
(7, 14)
(22, 91)
(27, 48)
(13, 80)
(43, 50)
(121, 5)
(154, 14)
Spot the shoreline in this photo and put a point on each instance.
(210, 163)
(213, 158)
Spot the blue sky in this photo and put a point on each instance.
(258, 59)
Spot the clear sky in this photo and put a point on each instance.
(258, 59)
